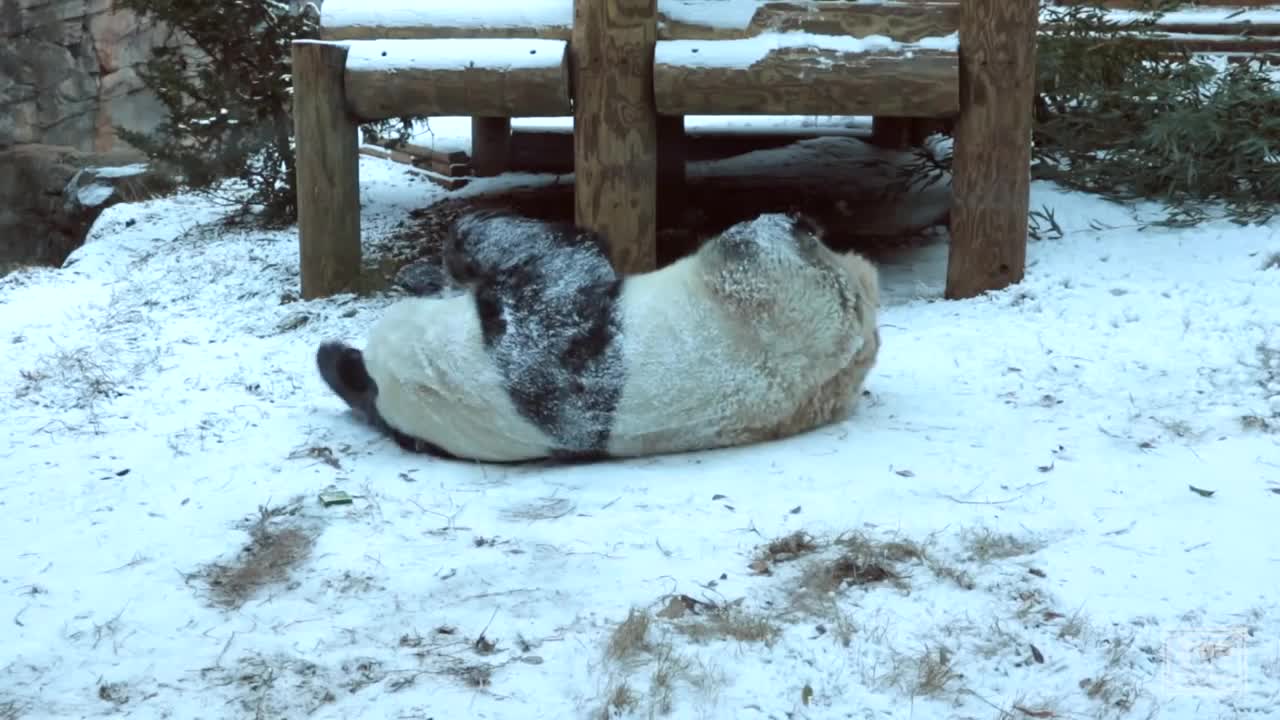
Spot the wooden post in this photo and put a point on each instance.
(615, 127)
(991, 157)
(328, 171)
(490, 145)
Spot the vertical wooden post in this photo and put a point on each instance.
(490, 145)
(615, 127)
(328, 171)
(991, 157)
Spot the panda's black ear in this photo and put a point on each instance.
(806, 223)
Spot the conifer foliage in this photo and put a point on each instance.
(229, 102)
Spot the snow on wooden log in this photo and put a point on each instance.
(677, 19)
(478, 77)
(419, 19)
(902, 21)
(805, 74)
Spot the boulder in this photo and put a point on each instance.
(50, 196)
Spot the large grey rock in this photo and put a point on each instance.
(50, 195)
(68, 73)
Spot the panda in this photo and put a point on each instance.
(543, 352)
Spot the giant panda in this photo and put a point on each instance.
(543, 352)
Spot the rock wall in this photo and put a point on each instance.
(68, 73)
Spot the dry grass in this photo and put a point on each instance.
(787, 547)
(630, 638)
(636, 643)
(9, 710)
(926, 674)
(984, 545)
(1272, 262)
(277, 545)
(708, 622)
(620, 699)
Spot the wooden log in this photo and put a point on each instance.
(490, 145)
(615, 139)
(709, 78)
(991, 154)
(494, 78)
(906, 22)
(328, 172)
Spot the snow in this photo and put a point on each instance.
(119, 171)
(744, 52)
(163, 388)
(454, 54)
(1192, 16)
(94, 195)
(410, 13)
(451, 132)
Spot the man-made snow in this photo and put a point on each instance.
(454, 54)
(1041, 441)
(745, 52)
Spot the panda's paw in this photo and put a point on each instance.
(342, 368)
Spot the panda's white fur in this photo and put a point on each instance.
(763, 333)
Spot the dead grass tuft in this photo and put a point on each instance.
(706, 622)
(276, 546)
(631, 637)
(637, 643)
(1272, 262)
(788, 547)
(9, 710)
(927, 674)
(985, 545)
(619, 701)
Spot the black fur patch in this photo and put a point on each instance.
(547, 298)
(343, 370)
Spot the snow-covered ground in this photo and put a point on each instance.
(1011, 509)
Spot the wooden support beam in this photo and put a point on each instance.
(615, 139)
(991, 156)
(328, 172)
(484, 78)
(490, 145)
(693, 77)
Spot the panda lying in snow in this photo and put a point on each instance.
(546, 352)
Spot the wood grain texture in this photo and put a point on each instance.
(490, 145)
(615, 139)
(992, 146)
(808, 81)
(382, 93)
(903, 21)
(328, 172)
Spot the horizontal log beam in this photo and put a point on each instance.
(902, 21)
(496, 78)
(805, 81)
